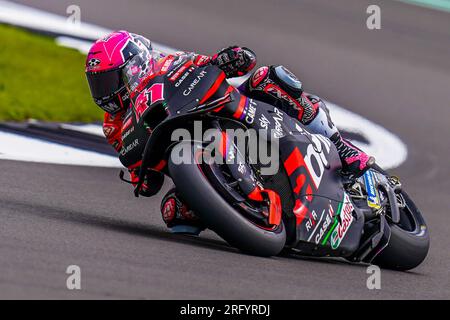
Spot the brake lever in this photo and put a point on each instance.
(121, 176)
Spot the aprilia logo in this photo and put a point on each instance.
(307, 176)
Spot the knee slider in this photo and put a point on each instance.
(287, 81)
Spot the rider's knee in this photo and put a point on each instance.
(278, 75)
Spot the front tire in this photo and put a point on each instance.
(407, 248)
(219, 215)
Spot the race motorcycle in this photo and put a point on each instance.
(308, 206)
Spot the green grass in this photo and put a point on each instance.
(41, 80)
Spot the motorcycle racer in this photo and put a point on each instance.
(273, 84)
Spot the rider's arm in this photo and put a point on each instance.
(112, 128)
(234, 61)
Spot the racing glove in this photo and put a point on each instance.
(152, 183)
(235, 61)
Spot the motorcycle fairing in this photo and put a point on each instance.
(324, 213)
(312, 164)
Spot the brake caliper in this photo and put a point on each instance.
(275, 209)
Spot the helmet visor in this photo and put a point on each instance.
(104, 84)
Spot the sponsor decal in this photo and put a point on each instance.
(251, 112)
(178, 60)
(307, 179)
(311, 222)
(278, 118)
(373, 199)
(315, 151)
(323, 228)
(127, 133)
(346, 219)
(176, 65)
(94, 62)
(166, 65)
(129, 147)
(331, 215)
(194, 83)
(183, 77)
(126, 96)
(314, 222)
(264, 122)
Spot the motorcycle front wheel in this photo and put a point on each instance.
(217, 214)
(410, 239)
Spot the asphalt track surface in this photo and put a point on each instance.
(53, 216)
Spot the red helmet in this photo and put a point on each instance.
(105, 61)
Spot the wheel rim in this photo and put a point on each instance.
(411, 220)
(244, 207)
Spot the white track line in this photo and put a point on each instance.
(387, 148)
(17, 147)
(93, 129)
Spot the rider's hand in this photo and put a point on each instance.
(152, 182)
(235, 61)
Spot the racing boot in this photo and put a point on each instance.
(178, 217)
(354, 161)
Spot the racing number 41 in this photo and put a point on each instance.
(148, 97)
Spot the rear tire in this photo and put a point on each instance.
(220, 216)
